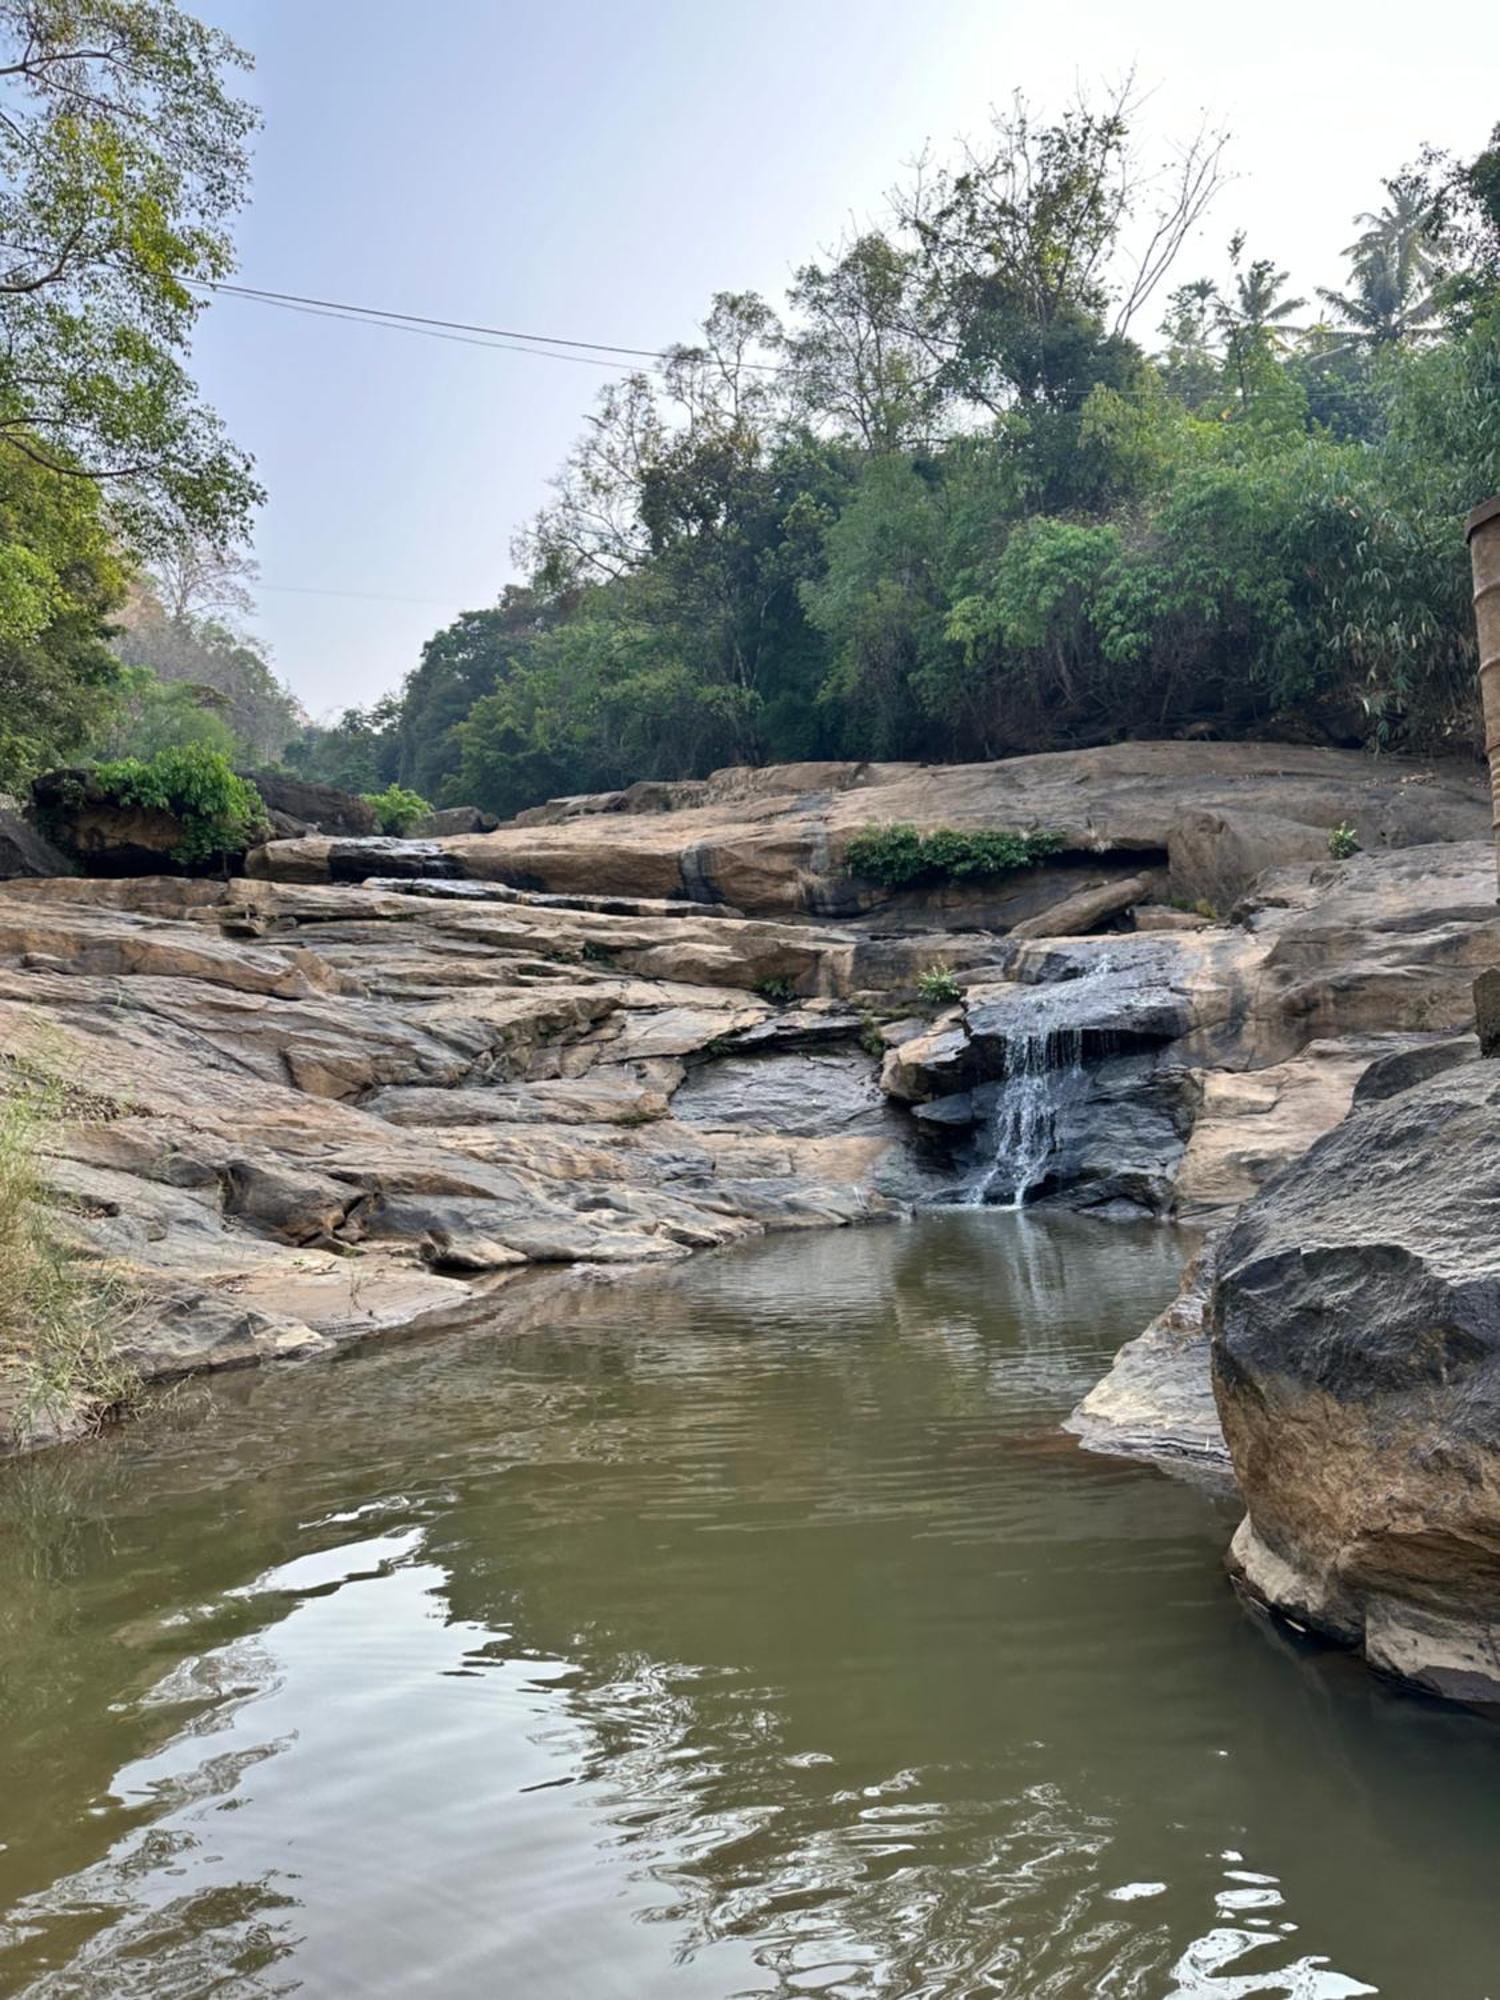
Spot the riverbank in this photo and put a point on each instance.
(381, 1087)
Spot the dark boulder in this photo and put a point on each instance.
(319, 808)
(1356, 1350)
(24, 851)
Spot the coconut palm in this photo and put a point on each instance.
(1257, 309)
(1391, 264)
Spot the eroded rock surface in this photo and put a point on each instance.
(1356, 1341)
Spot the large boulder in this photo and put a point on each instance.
(24, 851)
(1356, 1349)
(322, 808)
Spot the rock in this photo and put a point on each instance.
(318, 808)
(1216, 857)
(1402, 1068)
(1164, 917)
(316, 858)
(452, 819)
(1157, 1401)
(1356, 1346)
(1076, 916)
(107, 838)
(772, 841)
(23, 851)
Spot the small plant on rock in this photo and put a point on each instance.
(780, 992)
(1343, 841)
(219, 812)
(396, 809)
(939, 986)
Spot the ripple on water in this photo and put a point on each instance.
(747, 1635)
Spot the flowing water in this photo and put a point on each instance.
(748, 1631)
(1044, 1073)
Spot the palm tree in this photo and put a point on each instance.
(1257, 310)
(1390, 265)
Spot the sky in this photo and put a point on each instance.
(599, 168)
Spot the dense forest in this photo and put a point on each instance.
(955, 504)
(998, 477)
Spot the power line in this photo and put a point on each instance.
(466, 331)
(377, 596)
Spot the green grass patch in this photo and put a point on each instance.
(899, 857)
(60, 1312)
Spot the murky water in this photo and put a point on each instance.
(747, 1634)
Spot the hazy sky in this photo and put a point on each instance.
(598, 168)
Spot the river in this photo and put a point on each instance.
(746, 1630)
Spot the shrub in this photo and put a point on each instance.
(58, 1314)
(396, 809)
(900, 857)
(219, 812)
(938, 985)
(1342, 841)
(780, 992)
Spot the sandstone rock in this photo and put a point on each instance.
(1216, 857)
(1077, 915)
(1157, 1400)
(1356, 1342)
(434, 825)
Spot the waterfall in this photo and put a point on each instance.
(1043, 1071)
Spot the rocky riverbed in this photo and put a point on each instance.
(371, 1087)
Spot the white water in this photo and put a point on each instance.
(1043, 1073)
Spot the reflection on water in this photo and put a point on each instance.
(747, 1633)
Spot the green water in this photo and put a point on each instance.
(745, 1632)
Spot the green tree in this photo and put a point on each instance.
(122, 160)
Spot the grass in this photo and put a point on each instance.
(899, 857)
(60, 1312)
(939, 985)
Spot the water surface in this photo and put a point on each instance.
(746, 1632)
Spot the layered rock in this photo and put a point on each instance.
(1356, 1342)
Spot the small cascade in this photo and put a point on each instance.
(1043, 1072)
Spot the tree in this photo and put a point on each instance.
(122, 160)
(1390, 264)
(857, 366)
(1029, 292)
(61, 576)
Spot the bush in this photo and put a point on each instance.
(1342, 841)
(396, 810)
(780, 992)
(899, 857)
(58, 1315)
(219, 812)
(939, 986)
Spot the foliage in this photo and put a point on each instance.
(1343, 841)
(60, 578)
(899, 857)
(939, 985)
(220, 814)
(396, 810)
(154, 715)
(59, 1315)
(123, 156)
(949, 506)
(779, 991)
(175, 623)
